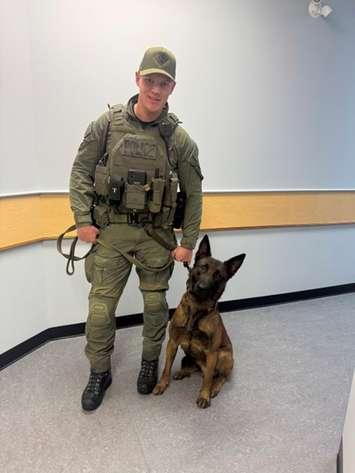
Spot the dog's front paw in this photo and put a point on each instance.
(160, 387)
(203, 401)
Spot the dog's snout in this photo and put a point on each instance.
(202, 285)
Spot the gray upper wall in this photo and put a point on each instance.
(266, 91)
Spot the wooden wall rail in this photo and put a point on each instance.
(32, 218)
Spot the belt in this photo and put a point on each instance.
(132, 218)
(145, 221)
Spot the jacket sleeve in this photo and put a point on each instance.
(81, 189)
(190, 178)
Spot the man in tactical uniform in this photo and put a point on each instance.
(123, 191)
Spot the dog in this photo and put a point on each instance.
(198, 328)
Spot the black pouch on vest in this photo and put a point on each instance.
(170, 194)
(180, 210)
(136, 176)
(173, 190)
(115, 189)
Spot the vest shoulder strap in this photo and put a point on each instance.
(174, 119)
(105, 133)
(118, 108)
(168, 126)
(118, 113)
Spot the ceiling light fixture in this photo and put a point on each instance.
(317, 9)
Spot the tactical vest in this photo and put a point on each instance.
(135, 175)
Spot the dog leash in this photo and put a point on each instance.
(71, 255)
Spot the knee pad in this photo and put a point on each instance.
(101, 311)
(155, 302)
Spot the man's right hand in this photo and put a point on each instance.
(88, 233)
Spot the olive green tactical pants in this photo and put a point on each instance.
(108, 273)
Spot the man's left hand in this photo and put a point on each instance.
(182, 254)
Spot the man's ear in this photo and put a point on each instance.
(172, 88)
(232, 265)
(204, 249)
(137, 78)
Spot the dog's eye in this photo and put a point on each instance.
(203, 268)
(217, 275)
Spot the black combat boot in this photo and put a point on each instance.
(95, 390)
(148, 376)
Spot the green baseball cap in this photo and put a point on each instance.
(158, 60)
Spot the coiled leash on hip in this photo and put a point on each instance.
(71, 255)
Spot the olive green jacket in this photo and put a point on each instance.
(185, 152)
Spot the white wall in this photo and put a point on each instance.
(19, 160)
(23, 307)
(266, 91)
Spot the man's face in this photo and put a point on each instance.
(154, 90)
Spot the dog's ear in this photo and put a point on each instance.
(204, 249)
(232, 265)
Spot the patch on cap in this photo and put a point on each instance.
(161, 58)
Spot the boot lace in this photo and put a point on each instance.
(148, 369)
(95, 382)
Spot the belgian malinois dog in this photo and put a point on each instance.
(198, 328)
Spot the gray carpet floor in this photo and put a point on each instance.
(282, 412)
